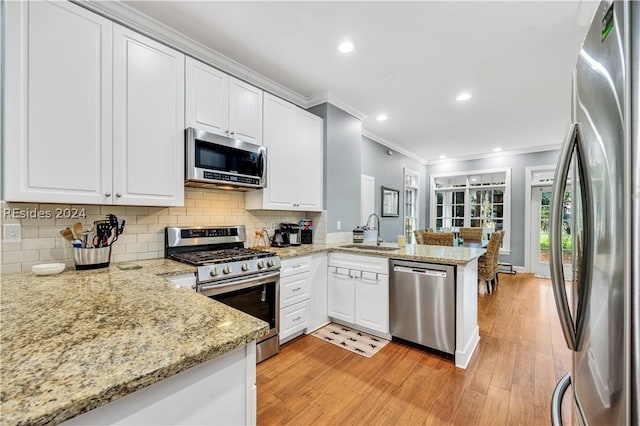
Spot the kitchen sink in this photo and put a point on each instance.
(368, 247)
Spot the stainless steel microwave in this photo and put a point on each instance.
(219, 162)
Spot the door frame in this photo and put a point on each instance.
(532, 211)
(529, 171)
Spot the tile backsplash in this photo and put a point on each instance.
(143, 237)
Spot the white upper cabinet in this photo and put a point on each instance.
(148, 139)
(245, 111)
(96, 112)
(293, 138)
(207, 102)
(221, 104)
(58, 74)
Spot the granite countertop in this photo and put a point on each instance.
(419, 252)
(77, 340)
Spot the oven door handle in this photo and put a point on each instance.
(253, 280)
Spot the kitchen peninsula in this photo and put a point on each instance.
(465, 261)
(76, 341)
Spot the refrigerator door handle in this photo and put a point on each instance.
(556, 399)
(573, 333)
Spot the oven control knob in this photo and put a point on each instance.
(213, 272)
(226, 269)
(271, 263)
(260, 264)
(245, 266)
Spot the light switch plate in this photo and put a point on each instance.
(338, 226)
(12, 233)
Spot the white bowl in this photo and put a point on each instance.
(48, 268)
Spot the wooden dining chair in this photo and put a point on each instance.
(471, 234)
(488, 262)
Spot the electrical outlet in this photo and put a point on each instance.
(12, 233)
(273, 225)
(339, 225)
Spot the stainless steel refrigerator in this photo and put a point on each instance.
(599, 166)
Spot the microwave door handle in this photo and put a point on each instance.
(263, 173)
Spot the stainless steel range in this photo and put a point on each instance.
(243, 278)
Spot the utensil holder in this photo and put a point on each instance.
(91, 258)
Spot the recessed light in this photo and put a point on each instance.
(381, 117)
(498, 149)
(442, 157)
(345, 47)
(463, 97)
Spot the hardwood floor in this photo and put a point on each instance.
(510, 379)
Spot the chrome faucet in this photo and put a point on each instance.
(378, 240)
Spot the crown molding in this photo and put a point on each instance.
(393, 146)
(322, 97)
(137, 21)
(528, 150)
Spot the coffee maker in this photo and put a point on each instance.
(290, 233)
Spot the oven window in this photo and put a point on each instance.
(218, 157)
(258, 301)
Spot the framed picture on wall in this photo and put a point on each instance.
(390, 202)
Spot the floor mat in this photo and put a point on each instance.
(353, 340)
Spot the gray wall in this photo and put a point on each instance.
(388, 171)
(518, 164)
(342, 159)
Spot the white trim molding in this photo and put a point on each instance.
(529, 184)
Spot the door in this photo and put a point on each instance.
(341, 295)
(207, 98)
(245, 111)
(148, 140)
(540, 210)
(372, 301)
(597, 150)
(58, 103)
(309, 162)
(367, 197)
(278, 118)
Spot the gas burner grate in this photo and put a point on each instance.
(219, 256)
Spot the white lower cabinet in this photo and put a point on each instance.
(358, 291)
(293, 319)
(303, 303)
(221, 391)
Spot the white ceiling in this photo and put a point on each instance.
(411, 60)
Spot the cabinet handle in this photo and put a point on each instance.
(297, 319)
(118, 195)
(295, 266)
(227, 131)
(107, 194)
(232, 133)
(297, 289)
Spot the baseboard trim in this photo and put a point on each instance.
(464, 357)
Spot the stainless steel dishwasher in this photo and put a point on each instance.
(422, 304)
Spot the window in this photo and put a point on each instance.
(411, 183)
(472, 199)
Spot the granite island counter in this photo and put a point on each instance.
(75, 341)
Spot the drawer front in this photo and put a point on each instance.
(295, 265)
(294, 289)
(374, 264)
(293, 319)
